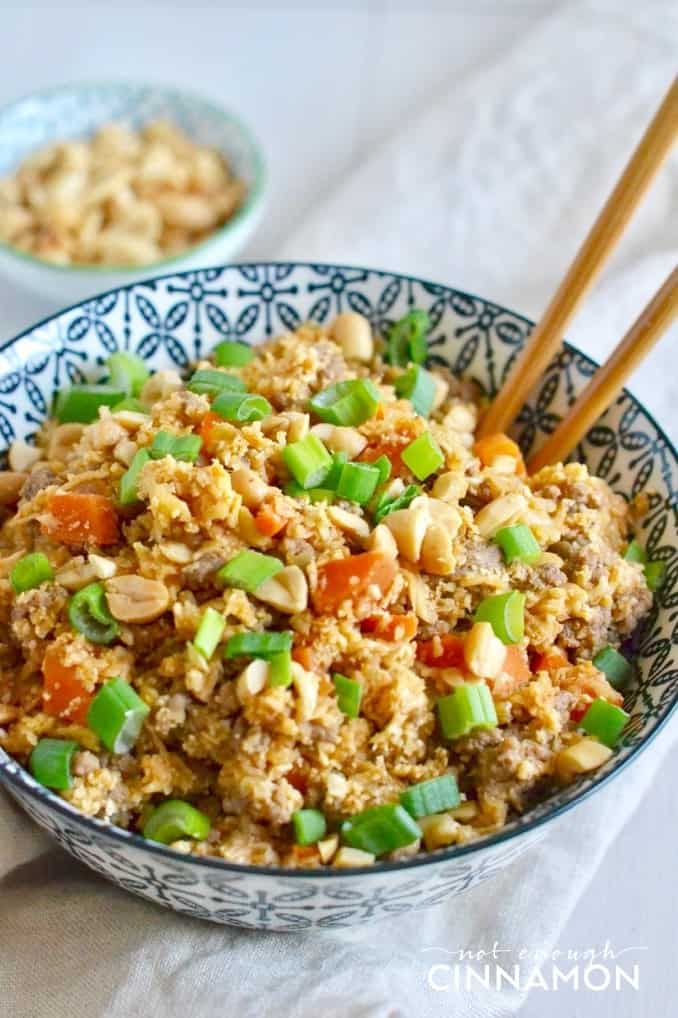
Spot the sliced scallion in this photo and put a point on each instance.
(80, 404)
(346, 404)
(233, 355)
(417, 385)
(358, 482)
(88, 613)
(654, 574)
(407, 339)
(309, 826)
(130, 403)
(380, 829)
(331, 480)
(349, 694)
(116, 715)
(614, 666)
(387, 505)
(258, 644)
(518, 544)
(321, 494)
(308, 461)
(635, 553)
(605, 721)
(209, 382)
(470, 706)
(432, 796)
(127, 371)
(423, 456)
(384, 466)
(248, 570)
(30, 571)
(506, 615)
(210, 631)
(185, 448)
(50, 763)
(128, 491)
(280, 669)
(242, 407)
(175, 819)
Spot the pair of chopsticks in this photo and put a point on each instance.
(546, 339)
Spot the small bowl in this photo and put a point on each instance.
(76, 111)
(175, 319)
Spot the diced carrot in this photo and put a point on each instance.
(303, 655)
(391, 449)
(394, 627)
(446, 651)
(516, 665)
(208, 430)
(77, 518)
(489, 448)
(352, 577)
(64, 695)
(268, 522)
(551, 660)
(297, 779)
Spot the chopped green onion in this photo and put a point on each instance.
(614, 666)
(209, 382)
(384, 466)
(128, 492)
(173, 820)
(432, 796)
(248, 570)
(80, 404)
(116, 715)
(309, 826)
(293, 489)
(210, 631)
(605, 721)
(407, 339)
(417, 385)
(308, 461)
(280, 669)
(387, 505)
(380, 829)
(50, 763)
(349, 695)
(346, 403)
(423, 456)
(518, 543)
(182, 447)
(654, 574)
(258, 644)
(358, 482)
(506, 615)
(635, 553)
(233, 355)
(30, 571)
(88, 613)
(332, 479)
(470, 706)
(242, 407)
(130, 403)
(321, 494)
(127, 371)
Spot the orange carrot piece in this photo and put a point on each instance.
(207, 429)
(303, 655)
(392, 450)
(351, 577)
(516, 665)
(268, 522)
(394, 627)
(64, 695)
(78, 518)
(446, 651)
(487, 449)
(551, 660)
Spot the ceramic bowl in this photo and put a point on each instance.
(76, 111)
(174, 319)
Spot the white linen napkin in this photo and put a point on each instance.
(491, 188)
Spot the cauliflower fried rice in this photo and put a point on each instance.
(390, 596)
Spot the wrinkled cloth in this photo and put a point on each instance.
(490, 188)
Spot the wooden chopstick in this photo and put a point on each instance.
(545, 341)
(609, 379)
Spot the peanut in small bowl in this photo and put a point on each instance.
(105, 184)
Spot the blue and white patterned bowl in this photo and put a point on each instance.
(174, 319)
(76, 111)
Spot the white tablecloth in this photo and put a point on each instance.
(491, 188)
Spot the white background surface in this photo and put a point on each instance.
(321, 86)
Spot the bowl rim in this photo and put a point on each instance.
(251, 206)
(21, 778)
